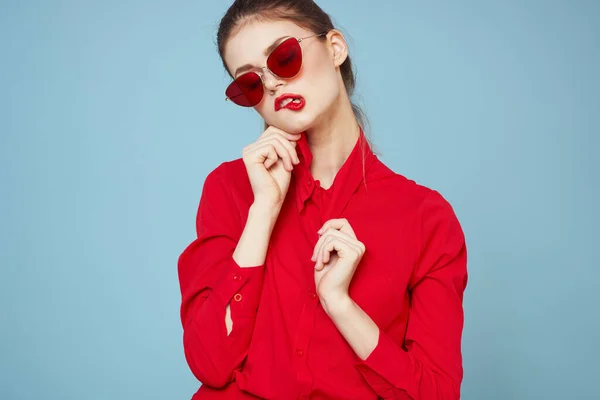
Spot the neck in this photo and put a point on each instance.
(331, 141)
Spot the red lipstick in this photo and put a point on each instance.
(292, 105)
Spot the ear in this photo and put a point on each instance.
(339, 47)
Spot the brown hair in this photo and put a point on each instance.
(304, 13)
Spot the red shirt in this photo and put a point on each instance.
(283, 345)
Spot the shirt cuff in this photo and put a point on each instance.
(240, 286)
(387, 368)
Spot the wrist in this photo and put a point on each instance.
(264, 211)
(253, 243)
(265, 207)
(337, 304)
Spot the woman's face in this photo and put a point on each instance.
(319, 81)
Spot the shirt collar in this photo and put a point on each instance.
(346, 181)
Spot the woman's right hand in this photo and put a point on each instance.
(269, 162)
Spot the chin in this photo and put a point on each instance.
(295, 124)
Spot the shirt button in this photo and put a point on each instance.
(309, 183)
(312, 295)
(237, 297)
(299, 352)
(236, 277)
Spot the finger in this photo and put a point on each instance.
(329, 232)
(271, 130)
(322, 250)
(320, 255)
(349, 249)
(318, 265)
(344, 249)
(317, 247)
(272, 159)
(286, 139)
(290, 146)
(319, 243)
(285, 149)
(266, 155)
(271, 155)
(280, 150)
(340, 224)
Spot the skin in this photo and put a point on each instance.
(332, 131)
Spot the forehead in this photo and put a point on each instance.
(247, 45)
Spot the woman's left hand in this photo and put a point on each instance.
(337, 254)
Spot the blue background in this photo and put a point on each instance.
(112, 114)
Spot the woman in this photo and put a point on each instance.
(317, 271)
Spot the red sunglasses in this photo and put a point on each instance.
(284, 61)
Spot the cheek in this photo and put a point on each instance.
(323, 92)
(323, 82)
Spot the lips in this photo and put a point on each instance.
(295, 102)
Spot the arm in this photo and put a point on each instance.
(428, 365)
(221, 276)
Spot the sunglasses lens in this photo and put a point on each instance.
(246, 90)
(286, 59)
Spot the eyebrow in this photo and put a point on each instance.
(268, 50)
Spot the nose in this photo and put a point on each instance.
(271, 81)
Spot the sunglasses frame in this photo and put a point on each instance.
(261, 73)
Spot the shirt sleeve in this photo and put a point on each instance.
(428, 364)
(210, 279)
